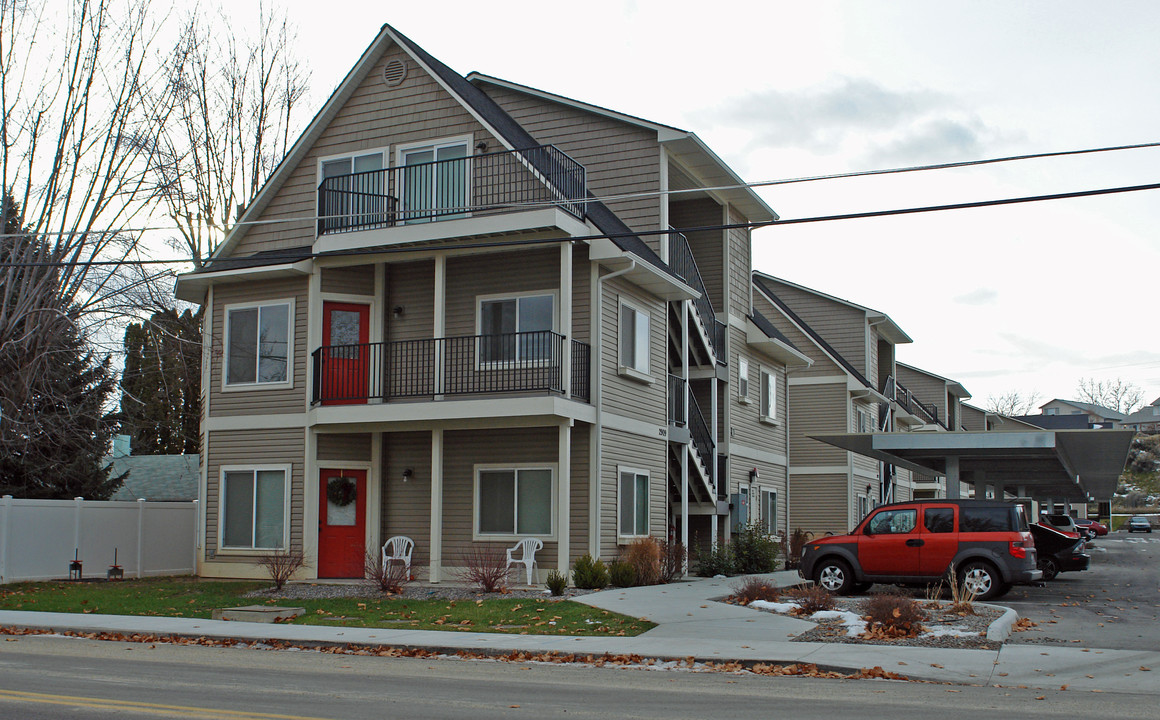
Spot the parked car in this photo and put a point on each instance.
(1066, 523)
(988, 543)
(1139, 523)
(1093, 525)
(1058, 551)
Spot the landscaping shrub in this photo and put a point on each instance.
(622, 574)
(894, 615)
(793, 551)
(752, 588)
(485, 567)
(389, 578)
(644, 555)
(281, 565)
(810, 598)
(673, 557)
(718, 561)
(755, 550)
(557, 582)
(589, 574)
(962, 600)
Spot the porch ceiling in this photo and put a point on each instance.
(1078, 464)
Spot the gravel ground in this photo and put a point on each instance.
(320, 591)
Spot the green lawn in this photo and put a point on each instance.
(191, 598)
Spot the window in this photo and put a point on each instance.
(743, 380)
(939, 520)
(633, 503)
(435, 180)
(634, 339)
(353, 192)
(516, 328)
(513, 501)
(890, 522)
(984, 519)
(254, 502)
(258, 340)
(768, 396)
(769, 510)
(863, 506)
(861, 420)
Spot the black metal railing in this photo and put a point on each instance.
(909, 402)
(448, 189)
(685, 266)
(678, 395)
(467, 365)
(702, 436)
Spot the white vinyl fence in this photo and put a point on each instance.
(40, 538)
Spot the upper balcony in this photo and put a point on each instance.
(449, 184)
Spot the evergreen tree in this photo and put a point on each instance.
(160, 386)
(54, 430)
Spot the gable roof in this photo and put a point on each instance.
(886, 327)
(475, 101)
(1090, 408)
(953, 386)
(159, 478)
(809, 331)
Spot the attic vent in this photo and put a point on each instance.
(394, 73)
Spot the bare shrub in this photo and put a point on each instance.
(894, 615)
(753, 588)
(810, 598)
(485, 567)
(962, 600)
(673, 556)
(793, 551)
(281, 565)
(644, 555)
(390, 578)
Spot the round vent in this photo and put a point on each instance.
(394, 73)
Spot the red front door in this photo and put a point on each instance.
(342, 506)
(345, 366)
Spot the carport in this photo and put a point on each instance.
(1046, 465)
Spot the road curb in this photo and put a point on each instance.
(1000, 629)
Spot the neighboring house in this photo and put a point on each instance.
(1097, 415)
(466, 348)
(157, 478)
(849, 387)
(1145, 420)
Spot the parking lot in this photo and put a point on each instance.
(1115, 604)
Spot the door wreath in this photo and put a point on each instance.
(341, 491)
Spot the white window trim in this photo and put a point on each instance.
(743, 387)
(476, 535)
(764, 493)
(771, 417)
(625, 371)
(467, 141)
(501, 364)
(223, 549)
(621, 538)
(288, 383)
(384, 151)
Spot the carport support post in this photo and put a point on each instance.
(953, 477)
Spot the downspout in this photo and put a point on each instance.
(598, 394)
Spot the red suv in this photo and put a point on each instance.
(988, 542)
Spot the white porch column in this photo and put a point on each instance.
(565, 323)
(439, 330)
(953, 477)
(436, 567)
(563, 499)
(685, 329)
(713, 383)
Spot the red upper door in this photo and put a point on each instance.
(345, 355)
(342, 506)
(890, 542)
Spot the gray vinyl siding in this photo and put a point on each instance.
(411, 287)
(622, 395)
(257, 401)
(353, 280)
(374, 117)
(497, 274)
(344, 447)
(841, 326)
(628, 450)
(822, 364)
(930, 390)
(973, 418)
(581, 294)
(580, 485)
(462, 451)
(619, 158)
(250, 448)
(769, 477)
(814, 410)
(708, 246)
(820, 503)
(744, 423)
(740, 265)
(406, 506)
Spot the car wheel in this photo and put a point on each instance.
(835, 576)
(1049, 567)
(980, 579)
(862, 587)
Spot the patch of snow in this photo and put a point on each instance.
(950, 632)
(853, 623)
(774, 606)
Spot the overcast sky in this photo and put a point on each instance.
(1030, 297)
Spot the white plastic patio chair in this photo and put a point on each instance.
(527, 549)
(398, 549)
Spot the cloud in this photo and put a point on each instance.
(980, 296)
(942, 139)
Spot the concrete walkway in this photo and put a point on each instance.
(691, 624)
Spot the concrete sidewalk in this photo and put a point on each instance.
(690, 624)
